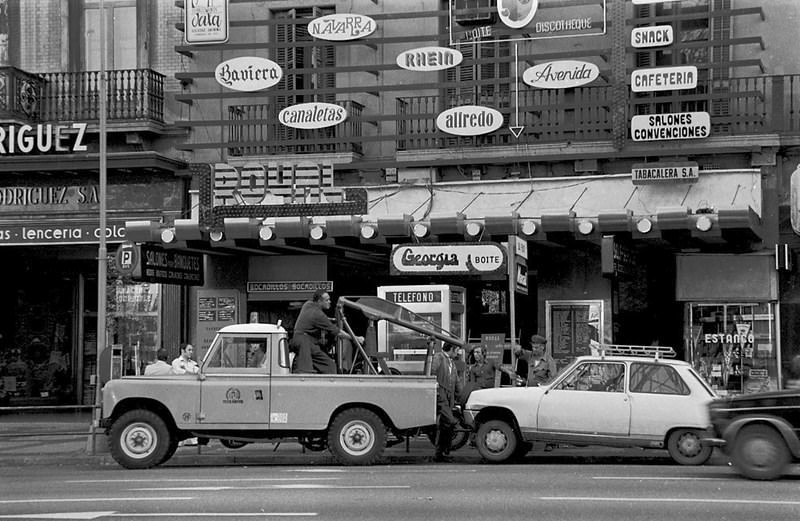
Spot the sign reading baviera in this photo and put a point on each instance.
(248, 73)
(485, 258)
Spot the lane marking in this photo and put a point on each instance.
(61, 515)
(191, 480)
(654, 478)
(87, 499)
(97, 515)
(671, 500)
(298, 486)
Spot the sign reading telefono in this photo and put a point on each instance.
(486, 258)
(674, 125)
(648, 173)
(206, 21)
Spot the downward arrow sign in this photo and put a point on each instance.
(516, 129)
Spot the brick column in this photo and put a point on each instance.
(619, 79)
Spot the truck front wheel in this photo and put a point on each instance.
(357, 437)
(139, 439)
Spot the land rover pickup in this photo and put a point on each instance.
(240, 401)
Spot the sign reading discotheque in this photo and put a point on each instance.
(248, 73)
(341, 27)
(674, 125)
(206, 21)
(485, 258)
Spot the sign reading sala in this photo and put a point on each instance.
(469, 120)
(674, 125)
(561, 74)
(248, 73)
(340, 27)
(485, 258)
(206, 21)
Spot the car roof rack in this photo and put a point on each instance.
(655, 352)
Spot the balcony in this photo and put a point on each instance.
(254, 130)
(738, 107)
(133, 96)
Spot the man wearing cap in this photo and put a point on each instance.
(541, 366)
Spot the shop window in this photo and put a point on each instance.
(135, 325)
(656, 379)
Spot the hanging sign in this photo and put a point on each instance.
(469, 120)
(664, 78)
(248, 73)
(341, 27)
(561, 74)
(312, 115)
(447, 259)
(676, 125)
(205, 21)
(429, 59)
(655, 36)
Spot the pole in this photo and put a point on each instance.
(512, 290)
(102, 254)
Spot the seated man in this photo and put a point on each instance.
(159, 367)
(256, 355)
(184, 363)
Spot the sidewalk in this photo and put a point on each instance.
(62, 438)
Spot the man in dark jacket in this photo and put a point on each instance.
(448, 388)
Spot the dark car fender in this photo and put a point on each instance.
(781, 425)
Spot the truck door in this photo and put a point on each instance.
(237, 380)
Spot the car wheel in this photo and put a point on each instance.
(686, 447)
(357, 437)
(759, 452)
(139, 439)
(232, 444)
(496, 441)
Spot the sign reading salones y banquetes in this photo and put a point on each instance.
(248, 73)
(485, 258)
(675, 125)
(206, 21)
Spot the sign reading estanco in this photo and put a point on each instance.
(468, 259)
(206, 21)
(644, 173)
(677, 125)
(469, 120)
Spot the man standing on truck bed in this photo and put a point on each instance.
(307, 338)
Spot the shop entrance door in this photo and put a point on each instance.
(733, 346)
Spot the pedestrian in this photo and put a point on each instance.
(461, 365)
(794, 372)
(160, 366)
(446, 391)
(184, 363)
(541, 366)
(309, 335)
(480, 373)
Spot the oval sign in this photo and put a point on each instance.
(517, 13)
(467, 258)
(429, 59)
(248, 73)
(312, 115)
(341, 26)
(561, 74)
(469, 120)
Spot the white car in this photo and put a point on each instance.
(623, 401)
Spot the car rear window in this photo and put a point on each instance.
(656, 379)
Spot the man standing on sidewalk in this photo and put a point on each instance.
(448, 388)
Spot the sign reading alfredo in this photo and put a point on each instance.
(485, 258)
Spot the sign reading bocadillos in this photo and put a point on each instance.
(485, 258)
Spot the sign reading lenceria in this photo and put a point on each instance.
(485, 258)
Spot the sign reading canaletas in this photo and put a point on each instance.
(486, 258)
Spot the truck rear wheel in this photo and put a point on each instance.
(357, 437)
(139, 439)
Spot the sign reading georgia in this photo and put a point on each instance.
(430, 259)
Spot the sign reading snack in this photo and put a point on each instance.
(248, 73)
(655, 36)
(676, 125)
(644, 173)
(429, 59)
(469, 120)
(560, 74)
(483, 258)
(206, 21)
(340, 27)
(312, 115)
(664, 78)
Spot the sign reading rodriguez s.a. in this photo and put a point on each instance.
(486, 258)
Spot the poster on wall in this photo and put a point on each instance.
(216, 308)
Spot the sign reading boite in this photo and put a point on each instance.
(644, 173)
(429, 59)
(289, 286)
(664, 78)
(312, 115)
(469, 120)
(151, 263)
(675, 125)
(248, 73)
(340, 27)
(206, 21)
(484, 258)
(655, 36)
(560, 74)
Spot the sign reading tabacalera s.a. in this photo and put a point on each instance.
(485, 258)
(680, 171)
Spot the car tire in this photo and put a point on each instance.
(357, 437)
(140, 439)
(496, 441)
(760, 452)
(233, 444)
(686, 448)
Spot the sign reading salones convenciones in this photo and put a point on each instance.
(312, 115)
(42, 138)
(562, 74)
(678, 171)
(469, 120)
(664, 78)
(341, 27)
(248, 73)
(206, 21)
(429, 59)
(676, 125)
(484, 258)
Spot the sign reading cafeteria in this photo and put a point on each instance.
(340, 27)
(248, 73)
(206, 21)
(312, 115)
(468, 258)
(644, 173)
(469, 120)
(429, 59)
(664, 78)
(675, 125)
(560, 74)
